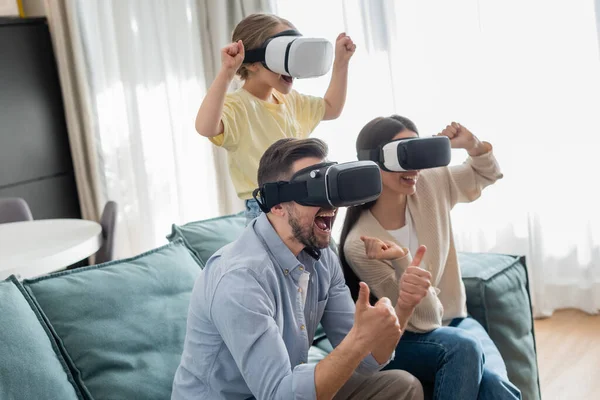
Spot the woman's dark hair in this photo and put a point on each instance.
(377, 132)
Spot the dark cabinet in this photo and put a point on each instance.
(35, 157)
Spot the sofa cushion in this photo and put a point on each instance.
(32, 366)
(497, 291)
(204, 238)
(122, 324)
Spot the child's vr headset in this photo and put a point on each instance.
(327, 185)
(410, 154)
(288, 53)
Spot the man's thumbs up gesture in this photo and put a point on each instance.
(376, 327)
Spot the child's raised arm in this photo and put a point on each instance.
(208, 120)
(335, 97)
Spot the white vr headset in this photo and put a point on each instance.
(288, 53)
(409, 154)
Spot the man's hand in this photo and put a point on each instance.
(232, 57)
(375, 327)
(382, 250)
(414, 285)
(461, 138)
(344, 49)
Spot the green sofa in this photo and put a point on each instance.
(116, 330)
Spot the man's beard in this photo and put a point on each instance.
(305, 234)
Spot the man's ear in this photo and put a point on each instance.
(278, 210)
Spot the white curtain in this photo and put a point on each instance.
(524, 76)
(218, 19)
(147, 65)
(145, 70)
(67, 43)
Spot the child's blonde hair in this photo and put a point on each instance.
(253, 31)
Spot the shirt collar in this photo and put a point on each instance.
(279, 251)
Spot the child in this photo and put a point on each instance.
(266, 108)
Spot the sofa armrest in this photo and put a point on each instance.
(497, 289)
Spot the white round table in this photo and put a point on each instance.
(32, 248)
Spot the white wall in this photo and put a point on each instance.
(598, 19)
(9, 8)
(33, 8)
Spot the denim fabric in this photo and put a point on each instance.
(459, 361)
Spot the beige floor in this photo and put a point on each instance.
(568, 346)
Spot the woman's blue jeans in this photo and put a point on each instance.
(459, 361)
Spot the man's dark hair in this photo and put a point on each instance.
(276, 163)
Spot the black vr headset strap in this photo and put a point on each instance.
(372, 155)
(255, 55)
(275, 193)
(375, 155)
(289, 32)
(262, 205)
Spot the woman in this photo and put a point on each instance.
(449, 352)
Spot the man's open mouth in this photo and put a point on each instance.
(288, 79)
(324, 221)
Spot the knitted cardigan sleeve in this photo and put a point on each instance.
(467, 181)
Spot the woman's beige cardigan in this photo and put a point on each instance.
(438, 190)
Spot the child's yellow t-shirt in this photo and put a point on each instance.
(251, 125)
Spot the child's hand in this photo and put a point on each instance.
(379, 250)
(232, 57)
(344, 49)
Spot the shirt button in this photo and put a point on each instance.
(301, 268)
(302, 327)
(302, 362)
(300, 289)
(285, 272)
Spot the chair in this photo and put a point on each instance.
(14, 209)
(108, 221)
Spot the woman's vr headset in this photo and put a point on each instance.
(327, 185)
(288, 53)
(410, 154)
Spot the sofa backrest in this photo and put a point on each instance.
(204, 238)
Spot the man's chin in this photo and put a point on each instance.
(322, 239)
(324, 245)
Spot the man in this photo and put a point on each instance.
(256, 305)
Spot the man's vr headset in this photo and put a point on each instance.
(410, 154)
(288, 53)
(326, 185)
